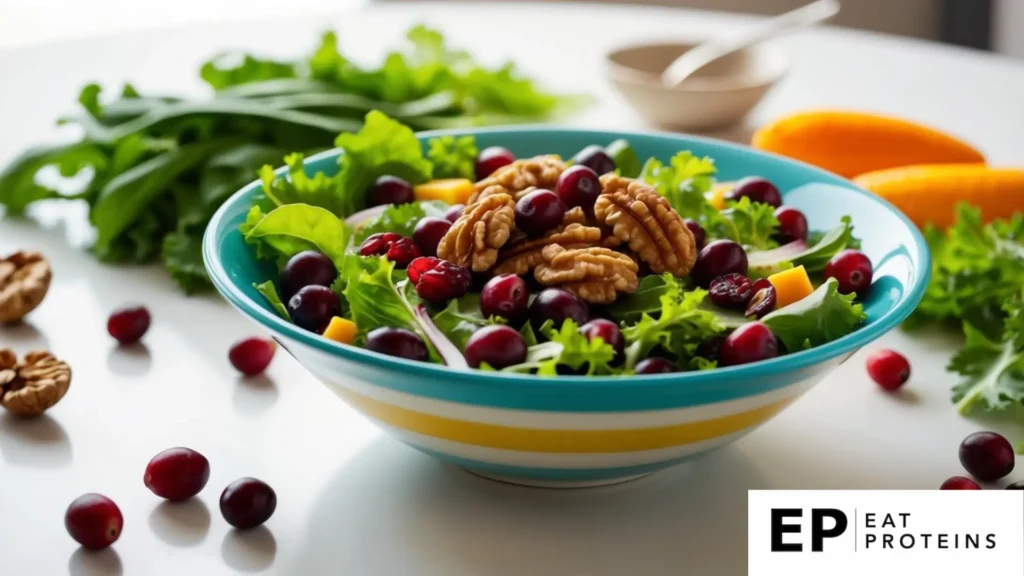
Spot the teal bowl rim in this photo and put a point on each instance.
(782, 364)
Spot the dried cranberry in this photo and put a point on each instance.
(959, 483)
(498, 346)
(128, 325)
(438, 280)
(428, 234)
(699, 235)
(492, 158)
(731, 291)
(390, 190)
(852, 269)
(595, 158)
(792, 224)
(757, 189)
(578, 186)
(656, 366)
(177, 474)
(888, 369)
(505, 296)
(395, 247)
(378, 244)
(607, 331)
(247, 503)
(763, 301)
(94, 521)
(538, 212)
(987, 456)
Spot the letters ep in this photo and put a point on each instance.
(783, 522)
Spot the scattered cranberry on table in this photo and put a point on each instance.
(312, 308)
(889, 369)
(959, 483)
(719, 258)
(538, 212)
(607, 331)
(94, 521)
(428, 234)
(454, 212)
(852, 269)
(757, 189)
(247, 503)
(177, 474)
(499, 346)
(129, 325)
(731, 291)
(792, 224)
(558, 305)
(506, 296)
(656, 365)
(595, 158)
(390, 190)
(492, 158)
(699, 235)
(763, 301)
(751, 342)
(307, 268)
(393, 246)
(578, 186)
(251, 356)
(987, 456)
(397, 342)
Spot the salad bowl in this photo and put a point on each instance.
(572, 431)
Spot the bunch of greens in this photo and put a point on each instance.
(157, 167)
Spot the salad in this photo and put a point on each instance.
(594, 265)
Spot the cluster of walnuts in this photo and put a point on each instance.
(596, 253)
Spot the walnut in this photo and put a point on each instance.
(526, 255)
(474, 239)
(33, 386)
(24, 280)
(640, 217)
(514, 179)
(594, 274)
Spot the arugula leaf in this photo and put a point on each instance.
(460, 319)
(814, 258)
(822, 317)
(751, 224)
(400, 218)
(292, 228)
(576, 352)
(683, 183)
(453, 157)
(269, 291)
(679, 327)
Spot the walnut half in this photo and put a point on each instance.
(474, 239)
(33, 386)
(595, 274)
(24, 280)
(515, 178)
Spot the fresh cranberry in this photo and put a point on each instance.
(505, 296)
(757, 189)
(247, 503)
(719, 258)
(94, 521)
(397, 342)
(731, 291)
(492, 158)
(609, 332)
(395, 247)
(428, 234)
(852, 269)
(128, 325)
(498, 346)
(888, 369)
(656, 365)
(313, 307)
(763, 301)
(454, 212)
(251, 356)
(307, 268)
(538, 212)
(711, 348)
(749, 343)
(792, 224)
(578, 186)
(177, 474)
(987, 456)
(699, 235)
(390, 190)
(438, 280)
(959, 483)
(1018, 485)
(558, 305)
(595, 158)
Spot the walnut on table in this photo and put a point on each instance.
(518, 177)
(474, 239)
(31, 387)
(24, 280)
(595, 274)
(638, 216)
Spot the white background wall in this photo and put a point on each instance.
(1009, 27)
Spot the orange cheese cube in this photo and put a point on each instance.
(791, 285)
(451, 190)
(716, 197)
(341, 330)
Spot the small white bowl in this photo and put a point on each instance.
(720, 94)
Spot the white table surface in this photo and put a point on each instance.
(352, 501)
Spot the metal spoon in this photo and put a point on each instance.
(697, 58)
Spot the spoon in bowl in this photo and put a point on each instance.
(707, 52)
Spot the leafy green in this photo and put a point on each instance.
(182, 255)
(373, 296)
(680, 325)
(460, 319)
(219, 73)
(646, 299)
(400, 218)
(822, 317)
(812, 258)
(683, 182)
(269, 291)
(625, 158)
(453, 157)
(751, 224)
(568, 349)
(292, 228)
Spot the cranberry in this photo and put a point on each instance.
(609, 332)
(792, 224)
(397, 342)
(578, 186)
(492, 158)
(757, 189)
(251, 356)
(656, 365)
(247, 503)
(498, 346)
(1018, 485)
(711, 349)
(719, 258)
(959, 483)
(390, 190)
(128, 325)
(177, 474)
(312, 307)
(307, 268)
(888, 369)
(395, 247)
(504, 296)
(558, 305)
(538, 212)
(763, 301)
(428, 234)
(595, 158)
(438, 280)
(94, 521)
(852, 269)
(749, 343)
(731, 291)
(454, 212)
(987, 456)
(699, 235)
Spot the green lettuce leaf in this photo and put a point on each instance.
(679, 327)
(460, 319)
(297, 187)
(373, 296)
(751, 224)
(683, 182)
(568, 349)
(822, 317)
(625, 158)
(993, 371)
(646, 300)
(813, 258)
(453, 157)
(400, 218)
(226, 70)
(269, 291)
(292, 228)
